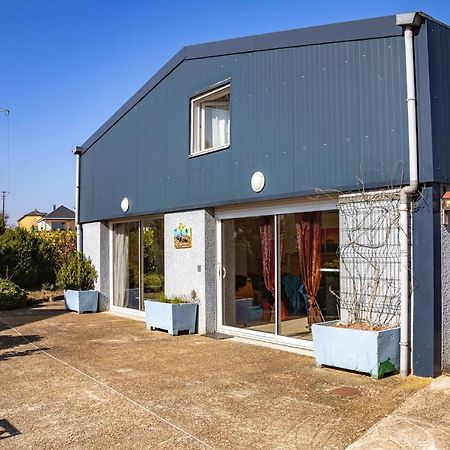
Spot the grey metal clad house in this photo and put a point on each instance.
(238, 143)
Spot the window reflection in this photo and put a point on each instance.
(307, 271)
(138, 255)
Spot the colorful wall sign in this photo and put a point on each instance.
(182, 236)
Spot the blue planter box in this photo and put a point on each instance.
(374, 352)
(171, 317)
(81, 301)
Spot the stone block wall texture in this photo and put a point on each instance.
(96, 246)
(445, 289)
(193, 268)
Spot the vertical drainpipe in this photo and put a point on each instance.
(409, 22)
(77, 152)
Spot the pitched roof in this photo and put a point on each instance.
(337, 32)
(34, 213)
(62, 212)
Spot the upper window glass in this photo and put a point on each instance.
(210, 121)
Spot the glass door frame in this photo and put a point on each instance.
(119, 309)
(276, 208)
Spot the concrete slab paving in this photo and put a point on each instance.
(423, 421)
(102, 381)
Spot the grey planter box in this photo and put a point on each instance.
(374, 352)
(171, 317)
(81, 301)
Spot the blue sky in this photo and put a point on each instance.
(66, 66)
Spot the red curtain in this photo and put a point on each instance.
(267, 235)
(308, 240)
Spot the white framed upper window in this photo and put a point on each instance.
(210, 121)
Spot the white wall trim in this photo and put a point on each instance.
(266, 337)
(111, 265)
(277, 207)
(127, 312)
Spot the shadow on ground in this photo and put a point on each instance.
(9, 355)
(7, 429)
(24, 316)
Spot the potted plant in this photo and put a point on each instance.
(172, 314)
(77, 277)
(357, 346)
(366, 338)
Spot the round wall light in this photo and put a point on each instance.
(258, 181)
(125, 204)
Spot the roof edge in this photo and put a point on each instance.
(336, 32)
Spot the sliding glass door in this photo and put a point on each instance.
(126, 265)
(138, 262)
(280, 272)
(249, 277)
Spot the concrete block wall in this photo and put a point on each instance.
(445, 291)
(96, 246)
(193, 268)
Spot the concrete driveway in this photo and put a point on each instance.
(102, 381)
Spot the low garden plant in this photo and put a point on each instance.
(175, 299)
(12, 296)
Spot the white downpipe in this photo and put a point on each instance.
(405, 203)
(77, 201)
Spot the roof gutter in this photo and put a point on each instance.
(409, 22)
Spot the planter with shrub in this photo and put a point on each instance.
(172, 314)
(12, 296)
(77, 277)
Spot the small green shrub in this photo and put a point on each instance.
(48, 287)
(174, 299)
(12, 296)
(77, 273)
(153, 282)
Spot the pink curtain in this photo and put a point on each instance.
(308, 240)
(267, 235)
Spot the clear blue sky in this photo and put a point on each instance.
(66, 66)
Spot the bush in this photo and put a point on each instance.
(77, 273)
(63, 244)
(25, 258)
(11, 296)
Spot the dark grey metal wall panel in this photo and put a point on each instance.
(439, 66)
(424, 126)
(338, 32)
(311, 118)
(87, 188)
(427, 317)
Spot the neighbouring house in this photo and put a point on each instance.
(241, 162)
(61, 218)
(30, 220)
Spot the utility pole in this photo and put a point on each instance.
(3, 193)
(3, 206)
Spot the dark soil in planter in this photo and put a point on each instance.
(362, 326)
